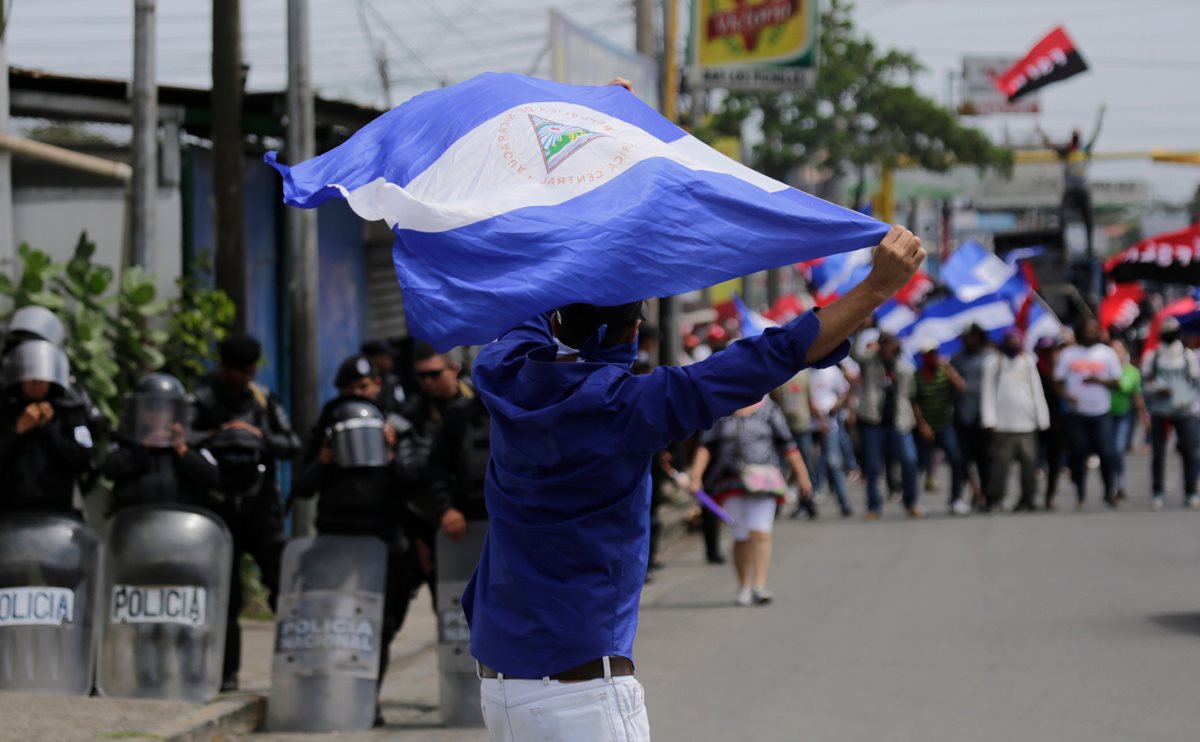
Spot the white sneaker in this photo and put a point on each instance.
(745, 596)
(1156, 502)
(762, 596)
(1193, 502)
(960, 507)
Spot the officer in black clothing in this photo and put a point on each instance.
(391, 397)
(44, 439)
(33, 322)
(150, 461)
(363, 471)
(458, 465)
(247, 430)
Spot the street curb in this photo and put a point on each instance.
(215, 722)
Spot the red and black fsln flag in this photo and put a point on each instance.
(1054, 58)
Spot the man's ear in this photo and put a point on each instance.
(631, 332)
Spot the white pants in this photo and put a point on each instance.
(599, 710)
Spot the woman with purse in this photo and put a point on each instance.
(739, 461)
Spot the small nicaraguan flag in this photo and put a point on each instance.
(973, 272)
(895, 317)
(837, 274)
(945, 320)
(511, 196)
(752, 323)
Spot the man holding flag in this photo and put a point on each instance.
(526, 196)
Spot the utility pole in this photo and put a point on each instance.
(8, 251)
(644, 20)
(301, 227)
(228, 151)
(144, 188)
(668, 311)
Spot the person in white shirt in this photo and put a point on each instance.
(829, 393)
(1086, 374)
(1013, 408)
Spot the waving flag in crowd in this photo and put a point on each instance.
(837, 274)
(1170, 257)
(509, 196)
(944, 321)
(1053, 58)
(1122, 306)
(752, 323)
(894, 317)
(973, 271)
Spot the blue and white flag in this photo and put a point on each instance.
(511, 196)
(895, 318)
(837, 274)
(973, 272)
(945, 320)
(752, 323)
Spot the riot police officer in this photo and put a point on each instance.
(44, 439)
(33, 322)
(150, 461)
(247, 430)
(363, 473)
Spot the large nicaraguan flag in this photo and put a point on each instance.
(1053, 58)
(510, 196)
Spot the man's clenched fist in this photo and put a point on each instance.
(896, 260)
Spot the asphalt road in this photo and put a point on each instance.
(1049, 626)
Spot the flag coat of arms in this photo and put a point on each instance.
(510, 196)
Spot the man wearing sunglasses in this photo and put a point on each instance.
(553, 604)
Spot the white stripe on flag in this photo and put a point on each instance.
(508, 163)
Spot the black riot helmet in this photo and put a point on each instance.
(356, 434)
(36, 360)
(34, 322)
(152, 409)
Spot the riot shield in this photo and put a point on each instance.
(166, 595)
(459, 683)
(327, 635)
(49, 570)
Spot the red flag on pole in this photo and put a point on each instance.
(1052, 59)
(1170, 257)
(1121, 307)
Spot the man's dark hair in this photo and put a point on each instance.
(423, 351)
(376, 348)
(239, 350)
(578, 322)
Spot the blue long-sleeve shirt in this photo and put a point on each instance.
(568, 485)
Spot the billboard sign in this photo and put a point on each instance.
(754, 44)
(980, 96)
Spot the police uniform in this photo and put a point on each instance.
(459, 457)
(255, 517)
(369, 501)
(40, 466)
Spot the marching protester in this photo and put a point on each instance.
(1086, 374)
(830, 394)
(150, 461)
(1127, 410)
(742, 456)
(794, 399)
(45, 443)
(886, 422)
(1171, 379)
(972, 438)
(1013, 410)
(933, 407)
(363, 471)
(1054, 438)
(246, 429)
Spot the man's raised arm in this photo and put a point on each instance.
(894, 263)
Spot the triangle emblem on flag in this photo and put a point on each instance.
(560, 141)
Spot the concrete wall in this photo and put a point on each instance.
(51, 219)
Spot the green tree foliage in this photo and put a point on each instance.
(115, 328)
(864, 111)
(197, 320)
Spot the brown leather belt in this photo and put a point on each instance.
(593, 670)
